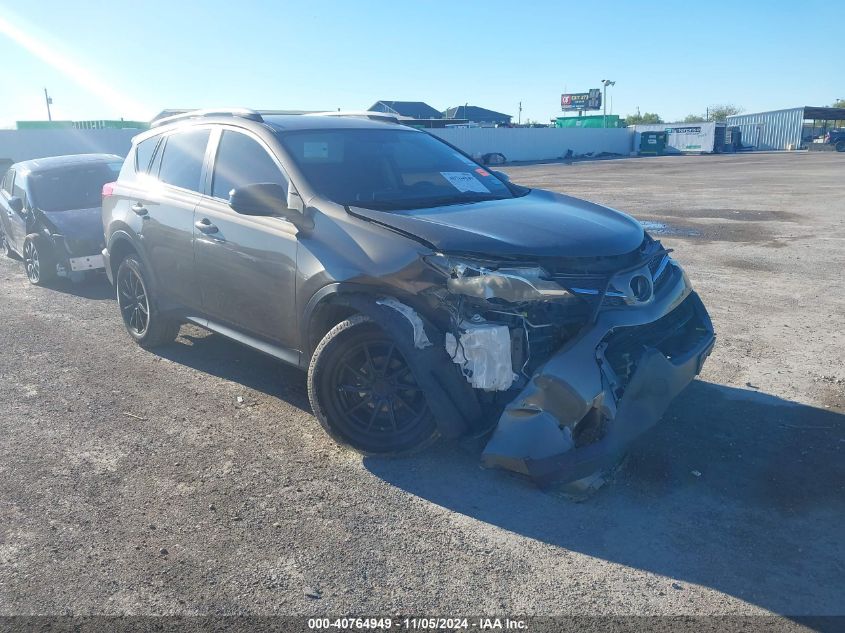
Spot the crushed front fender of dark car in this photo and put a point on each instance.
(581, 355)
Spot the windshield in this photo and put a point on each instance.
(389, 169)
(78, 187)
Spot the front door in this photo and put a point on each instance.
(246, 265)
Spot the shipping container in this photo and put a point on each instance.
(706, 137)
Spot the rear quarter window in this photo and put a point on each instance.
(144, 154)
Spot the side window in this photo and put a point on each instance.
(144, 153)
(8, 179)
(19, 191)
(181, 163)
(242, 161)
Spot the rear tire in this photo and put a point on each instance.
(141, 317)
(38, 260)
(365, 395)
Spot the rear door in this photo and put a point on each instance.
(167, 215)
(246, 265)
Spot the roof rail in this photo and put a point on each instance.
(384, 117)
(243, 113)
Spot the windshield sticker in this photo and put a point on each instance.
(463, 181)
(482, 172)
(318, 149)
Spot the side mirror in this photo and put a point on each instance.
(267, 199)
(263, 198)
(16, 205)
(501, 175)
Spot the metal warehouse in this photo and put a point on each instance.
(793, 128)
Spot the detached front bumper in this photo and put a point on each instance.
(76, 256)
(581, 410)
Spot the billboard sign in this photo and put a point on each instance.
(581, 100)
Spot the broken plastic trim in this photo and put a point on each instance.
(421, 340)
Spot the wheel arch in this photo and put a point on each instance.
(451, 398)
(120, 245)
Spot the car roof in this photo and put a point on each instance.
(275, 123)
(57, 162)
(317, 122)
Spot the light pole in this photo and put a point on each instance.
(48, 99)
(605, 83)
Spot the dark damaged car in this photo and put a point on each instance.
(50, 214)
(426, 295)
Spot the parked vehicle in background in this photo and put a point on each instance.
(51, 214)
(836, 138)
(425, 295)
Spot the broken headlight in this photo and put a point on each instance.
(497, 280)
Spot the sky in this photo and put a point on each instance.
(131, 59)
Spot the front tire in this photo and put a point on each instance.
(840, 146)
(144, 323)
(38, 260)
(364, 393)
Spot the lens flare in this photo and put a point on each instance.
(74, 71)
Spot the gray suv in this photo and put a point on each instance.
(424, 294)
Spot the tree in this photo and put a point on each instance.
(694, 118)
(644, 118)
(721, 111)
(839, 103)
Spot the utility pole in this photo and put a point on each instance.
(605, 83)
(519, 120)
(48, 100)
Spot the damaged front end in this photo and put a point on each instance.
(582, 355)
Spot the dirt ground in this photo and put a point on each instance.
(197, 481)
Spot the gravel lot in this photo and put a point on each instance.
(197, 481)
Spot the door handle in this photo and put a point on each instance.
(139, 209)
(205, 226)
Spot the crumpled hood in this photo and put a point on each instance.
(78, 224)
(540, 224)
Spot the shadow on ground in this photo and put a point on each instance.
(216, 355)
(95, 288)
(735, 490)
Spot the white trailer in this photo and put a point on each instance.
(706, 137)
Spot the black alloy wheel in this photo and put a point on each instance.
(365, 394)
(145, 324)
(133, 301)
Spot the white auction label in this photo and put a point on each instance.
(463, 181)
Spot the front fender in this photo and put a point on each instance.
(450, 397)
